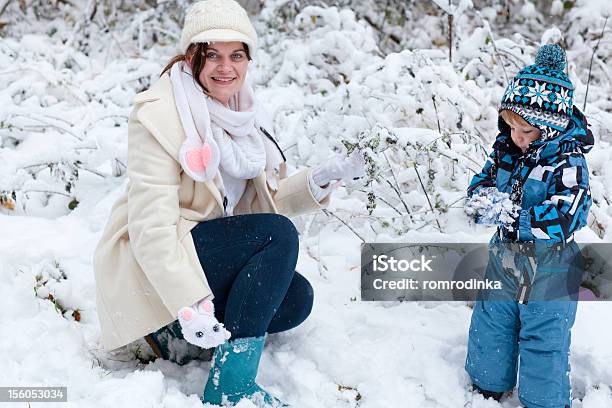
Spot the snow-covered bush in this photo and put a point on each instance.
(329, 78)
(422, 78)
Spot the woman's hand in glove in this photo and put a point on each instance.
(340, 167)
(201, 327)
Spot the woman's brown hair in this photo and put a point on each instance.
(197, 53)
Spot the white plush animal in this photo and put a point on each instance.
(200, 327)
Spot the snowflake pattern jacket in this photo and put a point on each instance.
(550, 181)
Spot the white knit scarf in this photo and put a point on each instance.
(240, 150)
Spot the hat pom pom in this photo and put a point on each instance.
(551, 56)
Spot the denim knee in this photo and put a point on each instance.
(306, 299)
(295, 308)
(282, 229)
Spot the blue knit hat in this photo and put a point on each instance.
(542, 93)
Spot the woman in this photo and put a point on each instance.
(204, 214)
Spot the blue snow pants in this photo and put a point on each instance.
(533, 338)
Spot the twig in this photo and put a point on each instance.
(399, 194)
(50, 125)
(433, 98)
(27, 112)
(77, 26)
(310, 251)
(47, 191)
(380, 197)
(93, 12)
(397, 190)
(121, 163)
(112, 34)
(44, 76)
(426, 224)
(170, 34)
(391, 206)
(604, 69)
(488, 27)
(450, 33)
(362, 216)
(591, 64)
(426, 195)
(47, 165)
(320, 265)
(328, 212)
(3, 9)
(391, 36)
(97, 173)
(513, 58)
(455, 202)
(451, 16)
(90, 125)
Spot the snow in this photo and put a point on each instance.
(490, 206)
(329, 79)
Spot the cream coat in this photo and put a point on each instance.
(146, 266)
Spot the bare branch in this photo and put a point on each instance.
(426, 195)
(397, 186)
(488, 27)
(586, 94)
(328, 212)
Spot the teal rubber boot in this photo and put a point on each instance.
(232, 375)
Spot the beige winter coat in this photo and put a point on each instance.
(146, 266)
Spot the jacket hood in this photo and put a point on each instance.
(576, 138)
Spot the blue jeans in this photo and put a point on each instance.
(249, 263)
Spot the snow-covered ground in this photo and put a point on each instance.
(63, 131)
(347, 354)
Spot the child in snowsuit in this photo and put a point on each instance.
(538, 166)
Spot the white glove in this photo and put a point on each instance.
(318, 192)
(200, 327)
(340, 167)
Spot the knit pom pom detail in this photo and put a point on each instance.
(551, 56)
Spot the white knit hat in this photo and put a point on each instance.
(218, 21)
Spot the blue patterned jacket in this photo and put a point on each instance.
(550, 181)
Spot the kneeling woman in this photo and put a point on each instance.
(204, 213)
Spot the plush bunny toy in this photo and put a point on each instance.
(200, 327)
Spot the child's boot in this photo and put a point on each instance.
(488, 394)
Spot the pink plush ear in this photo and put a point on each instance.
(186, 313)
(207, 307)
(198, 158)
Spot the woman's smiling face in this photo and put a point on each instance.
(224, 69)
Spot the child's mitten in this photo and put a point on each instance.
(200, 327)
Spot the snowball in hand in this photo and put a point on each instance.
(490, 206)
(200, 327)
